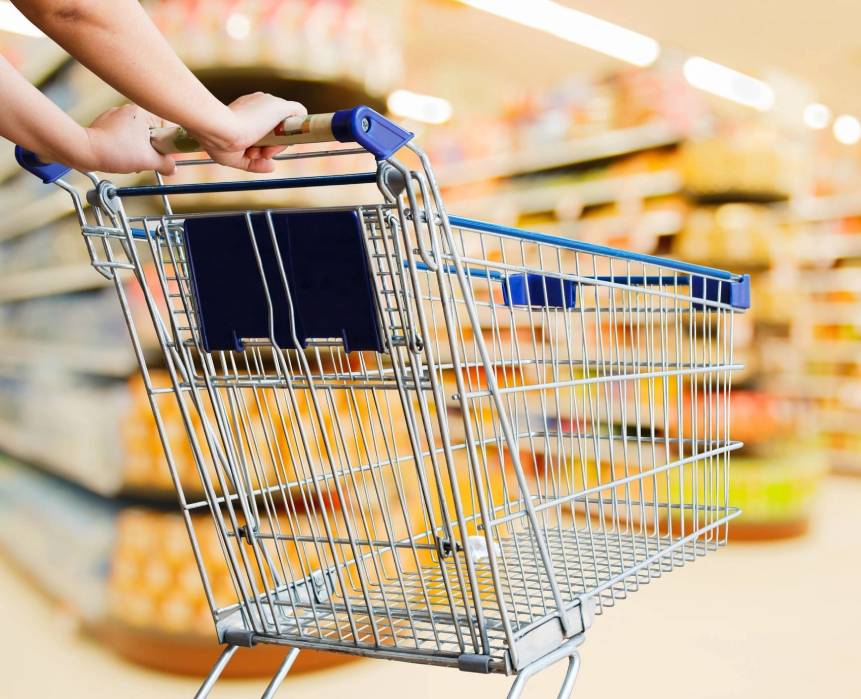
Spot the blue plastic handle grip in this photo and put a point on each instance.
(47, 172)
(369, 129)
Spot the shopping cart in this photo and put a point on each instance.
(417, 436)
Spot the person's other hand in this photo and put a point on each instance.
(119, 141)
(254, 115)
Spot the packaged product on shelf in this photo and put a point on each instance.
(748, 164)
(659, 93)
(775, 486)
(734, 234)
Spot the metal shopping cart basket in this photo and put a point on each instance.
(418, 437)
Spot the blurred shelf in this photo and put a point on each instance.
(740, 196)
(42, 60)
(846, 279)
(38, 211)
(99, 361)
(846, 462)
(33, 449)
(736, 265)
(845, 388)
(657, 223)
(540, 198)
(827, 247)
(59, 535)
(550, 156)
(97, 479)
(825, 208)
(189, 654)
(833, 313)
(830, 351)
(50, 281)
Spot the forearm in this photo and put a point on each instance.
(118, 41)
(31, 120)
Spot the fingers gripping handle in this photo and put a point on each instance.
(361, 125)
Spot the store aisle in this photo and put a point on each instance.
(757, 620)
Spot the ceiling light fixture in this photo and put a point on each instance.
(412, 105)
(817, 116)
(847, 129)
(728, 83)
(575, 26)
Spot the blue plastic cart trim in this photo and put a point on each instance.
(47, 172)
(590, 248)
(538, 290)
(534, 289)
(369, 129)
(325, 264)
(733, 293)
(248, 185)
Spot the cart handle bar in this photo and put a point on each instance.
(361, 125)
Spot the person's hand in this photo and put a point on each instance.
(253, 116)
(119, 141)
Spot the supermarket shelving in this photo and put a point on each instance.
(825, 208)
(539, 198)
(36, 212)
(657, 223)
(102, 480)
(50, 281)
(108, 362)
(32, 449)
(552, 156)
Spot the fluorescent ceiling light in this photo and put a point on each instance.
(432, 110)
(728, 83)
(817, 116)
(847, 129)
(575, 26)
(11, 20)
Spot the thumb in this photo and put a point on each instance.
(164, 164)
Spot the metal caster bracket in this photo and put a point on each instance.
(224, 659)
(566, 650)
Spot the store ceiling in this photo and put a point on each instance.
(468, 52)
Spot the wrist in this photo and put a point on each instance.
(220, 132)
(92, 154)
(77, 150)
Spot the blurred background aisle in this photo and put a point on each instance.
(527, 128)
(759, 620)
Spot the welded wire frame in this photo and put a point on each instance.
(496, 467)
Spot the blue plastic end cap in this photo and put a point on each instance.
(47, 172)
(369, 129)
(538, 290)
(735, 293)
